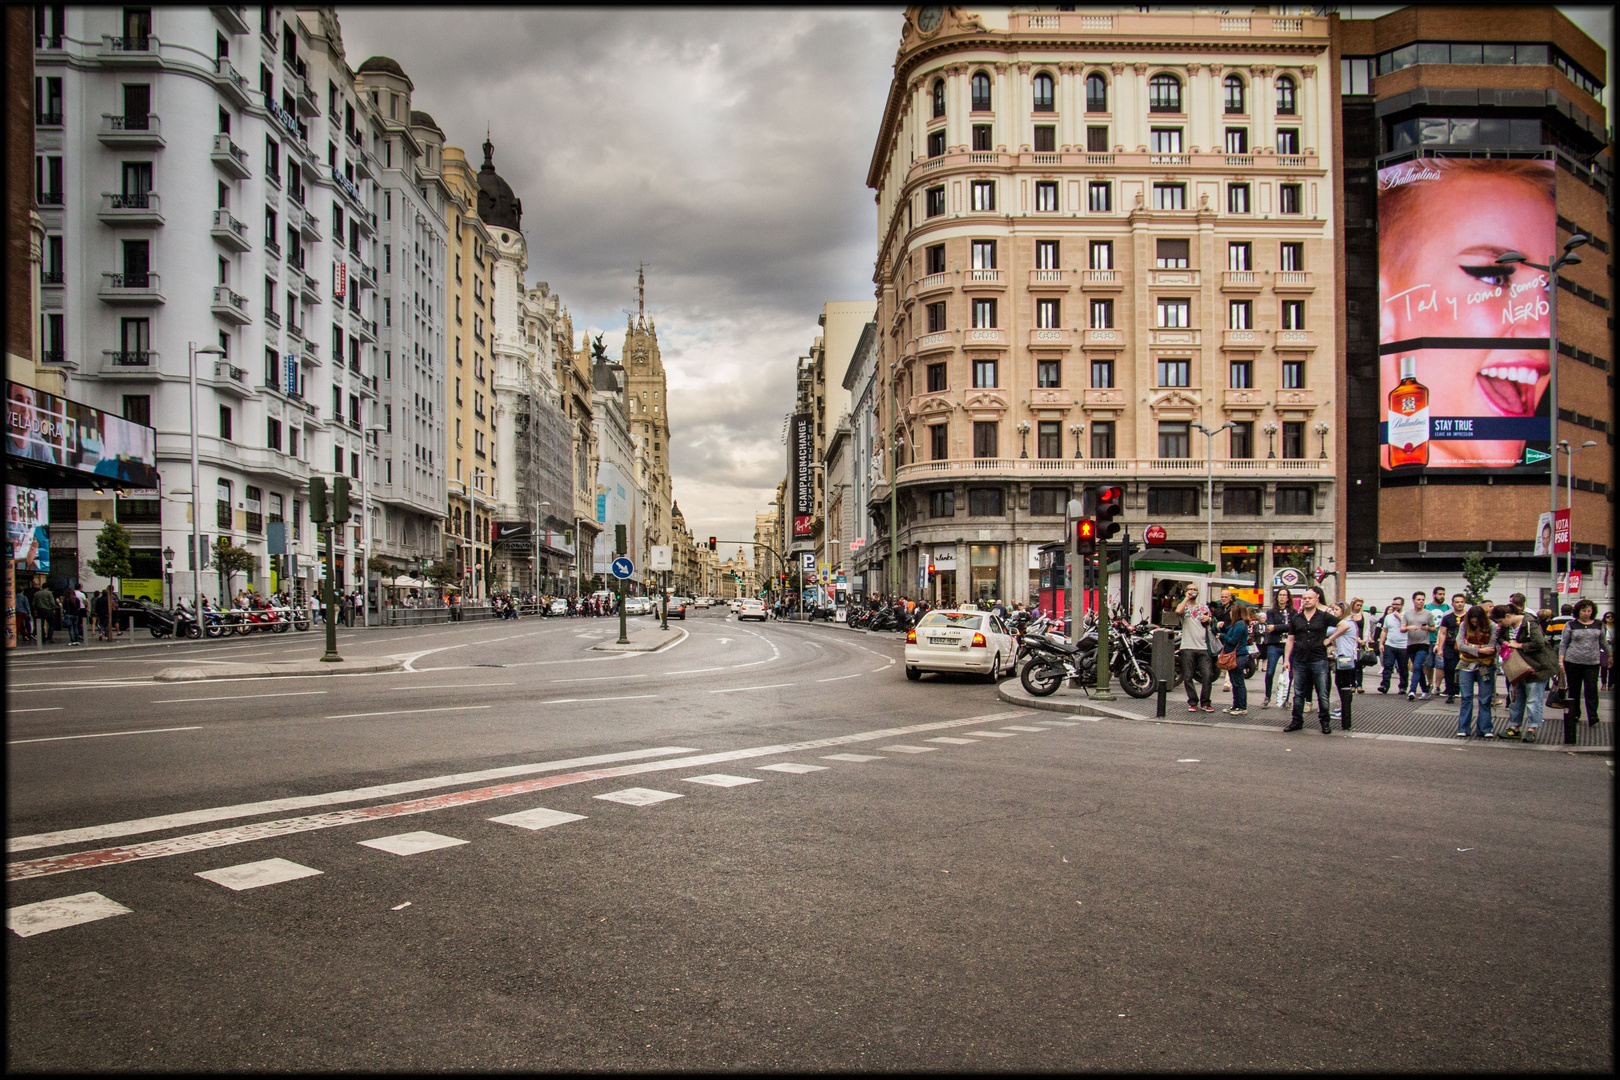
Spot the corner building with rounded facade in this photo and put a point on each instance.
(1099, 233)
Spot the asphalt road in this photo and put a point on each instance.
(987, 889)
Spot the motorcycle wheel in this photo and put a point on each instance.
(1041, 678)
(215, 630)
(282, 627)
(157, 631)
(302, 625)
(193, 630)
(1136, 680)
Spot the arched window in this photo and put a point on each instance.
(981, 91)
(939, 98)
(1043, 93)
(1164, 94)
(1285, 96)
(1234, 95)
(1096, 92)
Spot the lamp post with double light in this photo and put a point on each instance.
(1568, 258)
(192, 352)
(365, 520)
(168, 577)
(1210, 433)
(1077, 430)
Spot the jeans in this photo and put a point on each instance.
(1345, 680)
(1451, 659)
(1528, 697)
(75, 627)
(1418, 656)
(1273, 658)
(1309, 674)
(1240, 685)
(1394, 658)
(1476, 684)
(1197, 663)
(1581, 676)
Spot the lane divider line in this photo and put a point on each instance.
(405, 712)
(740, 689)
(572, 700)
(238, 697)
(104, 735)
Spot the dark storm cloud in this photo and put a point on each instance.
(725, 148)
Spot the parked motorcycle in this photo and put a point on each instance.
(1053, 659)
(162, 622)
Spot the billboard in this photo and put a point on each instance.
(28, 528)
(1464, 363)
(72, 437)
(803, 434)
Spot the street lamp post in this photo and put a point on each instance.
(1568, 258)
(1023, 438)
(1077, 430)
(1569, 470)
(365, 535)
(1271, 439)
(168, 576)
(1322, 430)
(192, 352)
(1210, 433)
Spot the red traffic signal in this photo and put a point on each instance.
(1085, 536)
(1110, 504)
(711, 543)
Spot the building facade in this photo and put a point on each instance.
(1101, 236)
(647, 393)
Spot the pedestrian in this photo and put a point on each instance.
(46, 612)
(25, 616)
(1235, 639)
(1366, 630)
(1477, 645)
(1196, 661)
(73, 615)
(1522, 634)
(346, 609)
(1392, 645)
(1419, 633)
(1605, 672)
(1581, 656)
(1307, 658)
(1445, 642)
(1345, 641)
(114, 602)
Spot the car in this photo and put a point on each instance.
(677, 607)
(734, 606)
(962, 641)
(750, 609)
(559, 607)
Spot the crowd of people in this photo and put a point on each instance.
(45, 609)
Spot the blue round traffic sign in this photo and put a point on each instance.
(623, 568)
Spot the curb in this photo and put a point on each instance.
(645, 645)
(270, 671)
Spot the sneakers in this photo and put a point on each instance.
(1511, 733)
(1383, 689)
(1451, 699)
(1530, 734)
(1209, 708)
(1490, 734)
(1192, 708)
(1411, 697)
(1236, 712)
(1460, 735)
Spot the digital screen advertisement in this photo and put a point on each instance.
(804, 492)
(69, 435)
(28, 528)
(1464, 358)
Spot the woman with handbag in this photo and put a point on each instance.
(1477, 644)
(1345, 643)
(1581, 654)
(1529, 664)
(1234, 653)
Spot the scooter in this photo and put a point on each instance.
(163, 622)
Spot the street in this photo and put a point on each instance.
(760, 847)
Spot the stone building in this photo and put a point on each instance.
(647, 393)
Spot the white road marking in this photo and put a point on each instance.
(1060, 723)
(332, 798)
(739, 689)
(411, 843)
(538, 818)
(453, 686)
(639, 796)
(104, 734)
(851, 757)
(996, 734)
(256, 875)
(407, 712)
(793, 767)
(52, 708)
(1187, 761)
(240, 697)
(901, 748)
(953, 742)
(30, 919)
(602, 678)
(572, 700)
(1017, 728)
(694, 671)
(722, 780)
(841, 678)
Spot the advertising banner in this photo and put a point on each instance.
(1463, 341)
(1560, 520)
(804, 492)
(72, 437)
(28, 528)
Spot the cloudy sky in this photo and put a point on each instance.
(727, 149)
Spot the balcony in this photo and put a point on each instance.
(232, 83)
(131, 51)
(984, 338)
(143, 130)
(355, 137)
(1105, 339)
(934, 284)
(294, 331)
(1049, 281)
(979, 280)
(309, 290)
(1109, 280)
(230, 232)
(1179, 337)
(1242, 339)
(232, 379)
(1296, 402)
(1059, 468)
(1053, 397)
(231, 159)
(1174, 279)
(1293, 281)
(365, 274)
(310, 354)
(141, 208)
(1051, 339)
(48, 119)
(308, 227)
(289, 123)
(232, 16)
(308, 103)
(1108, 399)
(1295, 340)
(365, 165)
(230, 306)
(271, 248)
(368, 385)
(127, 364)
(939, 341)
(366, 329)
(1249, 400)
(1240, 281)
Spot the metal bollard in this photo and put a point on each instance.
(1163, 663)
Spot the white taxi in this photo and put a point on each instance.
(972, 641)
(751, 609)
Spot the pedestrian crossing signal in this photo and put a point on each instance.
(1085, 536)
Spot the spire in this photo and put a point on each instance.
(489, 150)
(641, 293)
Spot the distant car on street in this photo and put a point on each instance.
(734, 606)
(637, 605)
(750, 609)
(971, 641)
(559, 607)
(677, 607)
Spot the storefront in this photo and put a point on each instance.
(944, 563)
(984, 563)
(1242, 562)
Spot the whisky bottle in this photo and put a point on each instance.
(1408, 418)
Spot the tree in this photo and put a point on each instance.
(442, 573)
(112, 552)
(1479, 574)
(231, 561)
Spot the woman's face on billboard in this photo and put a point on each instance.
(1439, 278)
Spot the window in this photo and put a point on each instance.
(936, 378)
(1165, 140)
(1295, 500)
(1046, 255)
(1293, 314)
(1241, 442)
(938, 94)
(1043, 93)
(1045, 139)
(936, 143)
(1355, 74)
(1049, 439)
(1243, 501)
(225, 423)
(1237, 199)
(222, 505)
(934, 199)
(1240, 315)
(1102, 439)
(1172, 502)
(1288, 140)
(1293, 375)
(1237, 140)
(983, 254)
(53, 334)
(984, 438)
(48, 179)
(942, 504)
(1240, 256)
(1164, 94)
(272, 433)
(1241, 375)
(980, 91)
(1048, 313)
(1174, 372)
(1098, 199)
(984, 374)
(1291, 256)
(1293, 433)
(1102, 314)
(1096, 92)
(1234, 95)
(292, 443)
(984, 313)
(934, 259)
(1169, 196)
(138, 409)
(985, 502)
(1049, 373)
(1288, 200)
(983, 137)
(354, 465)
(939, 442)
(135, 342)
(48, 101)
(1102, 374)
(1172, 254)
(1285, 96)
(1046, 196)
(984, 195)
(1102, 255)
(936, 317)
(1174, 311)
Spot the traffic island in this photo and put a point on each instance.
(302, 668)
(642, 640)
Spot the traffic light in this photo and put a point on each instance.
(1085, 536)
(711, 543)
(317, 500)
(1110, 504)
(618, 539)
(340, 500)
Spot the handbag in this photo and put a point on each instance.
(1516, 668)
(1227, 661)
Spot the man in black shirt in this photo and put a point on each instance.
(1307, 656)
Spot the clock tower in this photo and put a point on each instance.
(647, 406)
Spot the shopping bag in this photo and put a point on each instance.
(1285, 682)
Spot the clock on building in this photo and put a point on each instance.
(928, 19)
